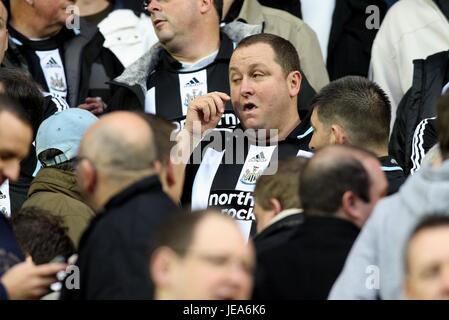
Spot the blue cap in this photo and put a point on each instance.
(63, 131)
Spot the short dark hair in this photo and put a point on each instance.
(162, 130)
(443, 125)
(19, 86)
(327, 176)
(285, 53)
(283, 185)
(360, 106)
(428, 222)
(41, 235)
(13, 107)
(177, 232)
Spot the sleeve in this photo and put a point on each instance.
(359, 279)
(424, 138)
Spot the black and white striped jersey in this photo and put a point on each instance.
(172, 85)
(223, 171)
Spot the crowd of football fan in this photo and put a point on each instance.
(224, 149)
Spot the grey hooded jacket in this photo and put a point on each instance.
(375, 265)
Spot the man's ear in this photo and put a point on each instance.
(206, 5)
(276, 205)
(88, 176)
(161, 264)
(339, 135)
(294, 79)
(350, 207)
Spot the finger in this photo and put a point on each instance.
(49, 269)
(205, 110)
(223, 96)
(219, 103)
(212, 107)
(86, 106)
(93, 99)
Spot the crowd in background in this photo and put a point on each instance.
(224, 149)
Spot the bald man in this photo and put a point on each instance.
(117, 173)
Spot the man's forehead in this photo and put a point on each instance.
(253, 54)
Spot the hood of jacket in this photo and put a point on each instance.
(57, 181)
(427, 191)
(138, 72)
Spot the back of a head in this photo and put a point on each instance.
(443, 125)
(19, 86)
(284, 52)
(178, 231)
(162, 130)
(59, 137)
(42, 235)
(283, 185)
(120, 142)
(330, 173)
(360, 106)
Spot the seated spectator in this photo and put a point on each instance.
(335, 191)
(414, 131)
(287, 26)
(265, 100)
(42, 235)
(18, 85)
(427, 260)
(62, 52)
(384, 237)
(355, 111)
(55, 188)
(412, 29)
(118, 177)
(277, 204)
(202, 256)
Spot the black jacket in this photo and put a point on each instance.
(88, 65)
(308, 264)
(350, 41)
(10, 253)
(114, 251)
(277, 233)
(419, 103)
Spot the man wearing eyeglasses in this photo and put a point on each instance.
(202, 255)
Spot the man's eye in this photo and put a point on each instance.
(257, 75)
